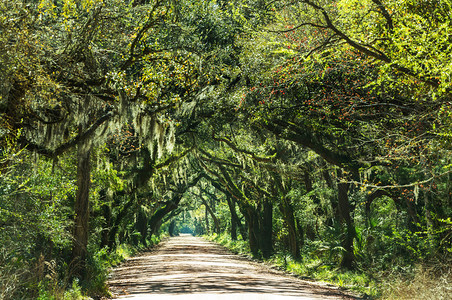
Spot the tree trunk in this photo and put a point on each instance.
(253, 227)
(209, 210)
(289, 220)
(300, 233)
(141, 225)
(206, 216)
(344, 212)
(81, 226)
(235, 217)
(163, 211)
(172, 228)
(428, 207)
(449, 190)
(266, 230)
(311, 230)
(334, 205)
(115, 227)
(233, 229)
(106, 213)
(235, 221)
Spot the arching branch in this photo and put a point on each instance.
(237, 149)
(78, 139)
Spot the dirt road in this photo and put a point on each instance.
(188, 267)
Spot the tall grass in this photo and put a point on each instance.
(425, 282)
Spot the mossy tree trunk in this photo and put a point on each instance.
(209, 211)
(81, 226)
(289, 220)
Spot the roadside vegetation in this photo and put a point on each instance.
(422, 281)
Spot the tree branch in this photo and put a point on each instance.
(398, 186)
(79, 138)
(386, 15)
(237, 149)
(173, 158)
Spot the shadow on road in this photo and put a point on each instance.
(189, 265)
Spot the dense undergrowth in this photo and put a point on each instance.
(427, 280)
(52, 280)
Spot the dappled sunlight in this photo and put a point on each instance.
(188, 266)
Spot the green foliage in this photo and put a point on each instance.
(308, 268)
(34, 214)
(98, 267)
(238, 246)
(74, 293)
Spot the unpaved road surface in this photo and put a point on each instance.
(188, 267)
